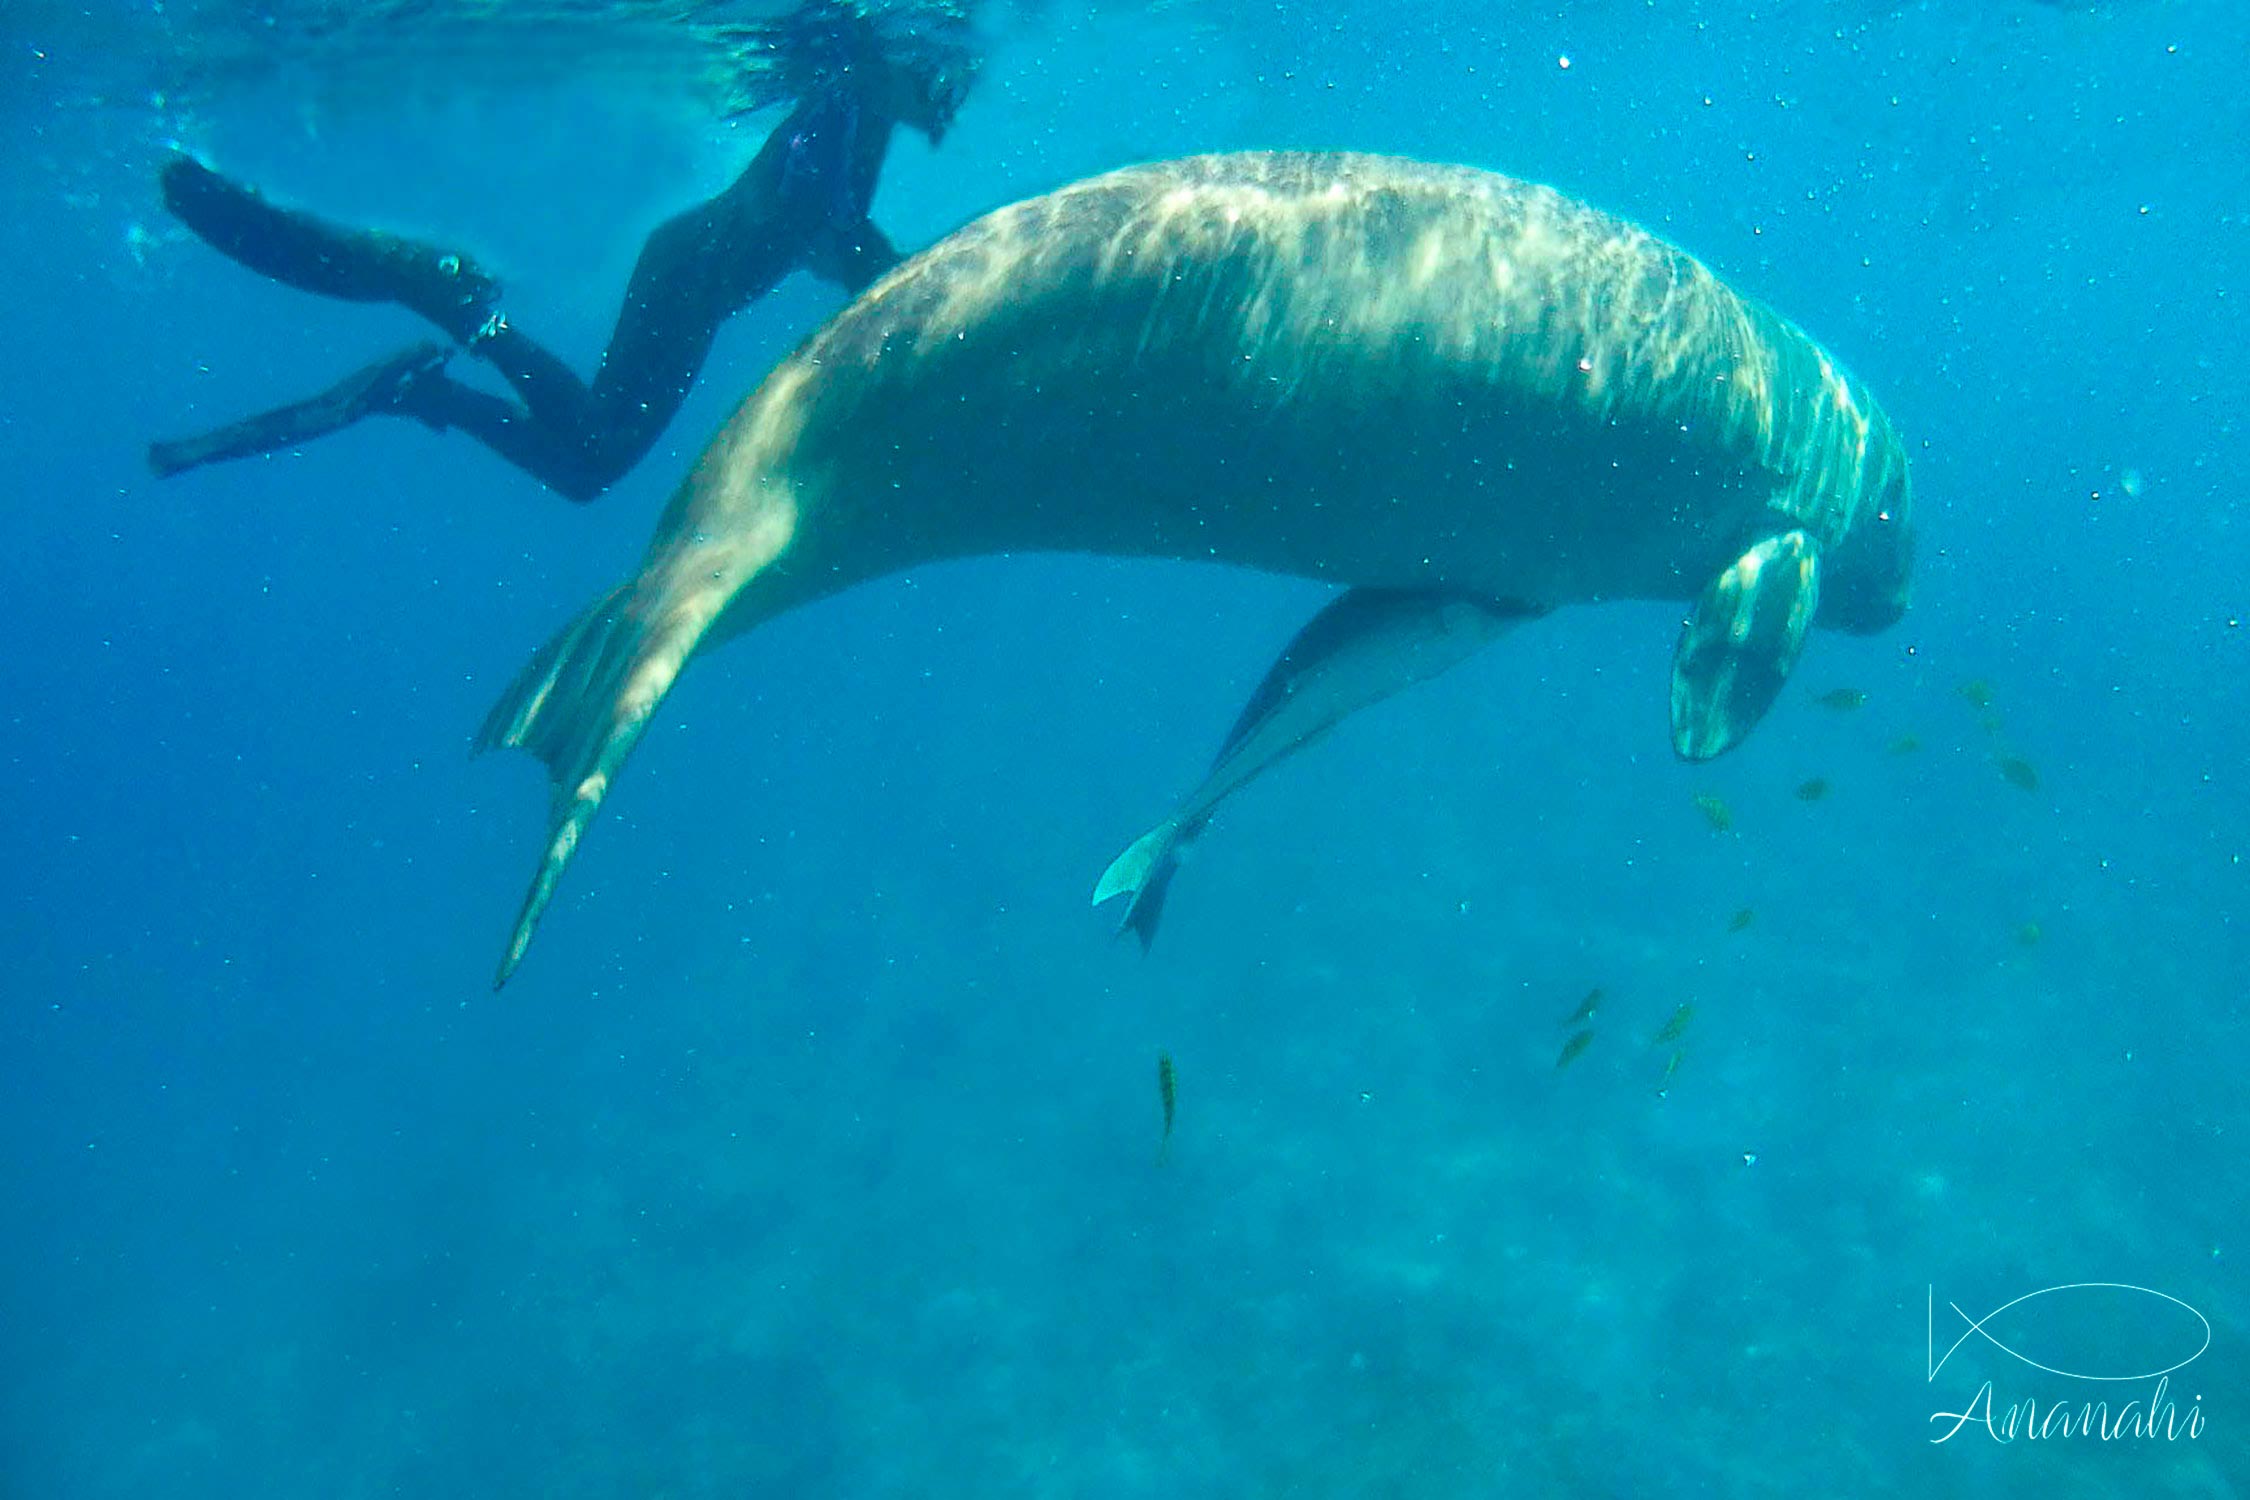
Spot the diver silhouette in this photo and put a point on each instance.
(853, 70)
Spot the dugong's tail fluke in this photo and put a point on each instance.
(581, 706)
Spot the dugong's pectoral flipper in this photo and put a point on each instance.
(1367, 644)
(1739, 645)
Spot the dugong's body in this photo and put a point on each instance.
(1388, 375)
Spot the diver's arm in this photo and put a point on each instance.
(854, 257)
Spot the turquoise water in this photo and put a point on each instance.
(815, 1150)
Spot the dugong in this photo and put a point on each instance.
(1468, 399)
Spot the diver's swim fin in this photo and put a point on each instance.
(381, 387)
(300, 250)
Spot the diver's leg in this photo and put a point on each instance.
(357, 265)
(549, 389)
(671, 312)
(380, 387)
(520, 436)
(554, 435)
(579, 438)
(695, 270)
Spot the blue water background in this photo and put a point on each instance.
(814, 1151)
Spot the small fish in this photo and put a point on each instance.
(1813, 790)
(1676, 1028)
(1715, 812)
(1905, 744)
(1843, 700)
(1573, 1047)
(1671, 1066)
(2018, 772)
(2028, 935)
(1979, 694)
(1741, 920)
(1168, 1091)
(1586, 1008)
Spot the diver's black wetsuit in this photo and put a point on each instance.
(801, 203)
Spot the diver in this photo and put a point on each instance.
(854, 71)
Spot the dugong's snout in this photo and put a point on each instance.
(1864, 588)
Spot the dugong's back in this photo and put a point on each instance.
(1354, 367)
